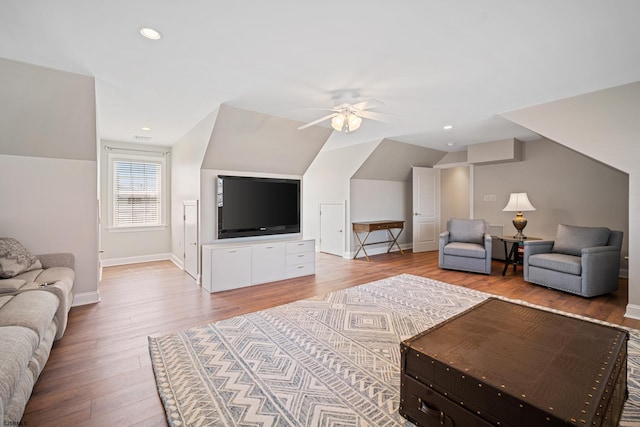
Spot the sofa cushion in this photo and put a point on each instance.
(15, 258)
(11, 285)
(33, 310)
(571, 239)
(468, 250)
(466, 230)
(57, 274)
(18, 345)
(562, 263)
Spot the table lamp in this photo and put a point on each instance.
(519, 202)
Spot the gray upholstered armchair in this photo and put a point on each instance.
(466, 245)
(581, 260)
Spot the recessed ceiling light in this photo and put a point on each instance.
(450, 144)
(146, 128)
(150, 33)
(447, 127)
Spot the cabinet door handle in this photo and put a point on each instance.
(300, 256)
(233, 251)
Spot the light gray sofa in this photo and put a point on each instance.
(466, 245)
(581, 260)
(32, 317)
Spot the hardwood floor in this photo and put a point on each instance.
(99, 373)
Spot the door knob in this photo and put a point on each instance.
(416, 214)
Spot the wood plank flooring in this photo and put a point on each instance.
(99, 373)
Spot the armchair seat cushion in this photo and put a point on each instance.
(468, 250)
(562, 263)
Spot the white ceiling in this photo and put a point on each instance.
(432, 63)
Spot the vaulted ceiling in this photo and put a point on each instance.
(431, 63)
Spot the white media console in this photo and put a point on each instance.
(235, 265)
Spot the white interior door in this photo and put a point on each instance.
(426, 209)
(191, 237)
(332, 221)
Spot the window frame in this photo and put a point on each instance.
(124, 157)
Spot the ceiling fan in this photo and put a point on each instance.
(348, 112)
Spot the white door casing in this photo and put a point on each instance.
(426, 209)
(332, 224)
(190, 262)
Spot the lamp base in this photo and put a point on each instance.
(519, 222)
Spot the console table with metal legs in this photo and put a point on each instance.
(369, 226)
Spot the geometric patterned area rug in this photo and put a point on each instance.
(331, 360)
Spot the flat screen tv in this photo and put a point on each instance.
(251, 206)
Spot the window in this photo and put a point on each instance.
(137, 191)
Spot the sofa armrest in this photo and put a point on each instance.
(57, 260)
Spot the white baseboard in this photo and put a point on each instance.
(85, 298)
(177, 261)
(136, 259)
(633, 311)
(377, 250)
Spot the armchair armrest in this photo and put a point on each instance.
(443, 240)
(599, 249)
(57, 260)
(532, 247)
(488, 242)
(600, 269)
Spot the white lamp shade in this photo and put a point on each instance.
(337, 122)
(518, 202)
(354, 122)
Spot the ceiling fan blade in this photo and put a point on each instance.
(368, 103)
(315, 122)
(373, 116)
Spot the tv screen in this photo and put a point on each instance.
(250, 206)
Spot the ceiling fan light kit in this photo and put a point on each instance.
(348, 113)
(346, 121)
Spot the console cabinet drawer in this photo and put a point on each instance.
(301, 258)
(302, 246)
(300, 270)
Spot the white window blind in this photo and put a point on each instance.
(137, 193)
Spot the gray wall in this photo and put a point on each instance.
(564, 186)
(455, 191)
(48, 167)
(604, 125)
(373, 200)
